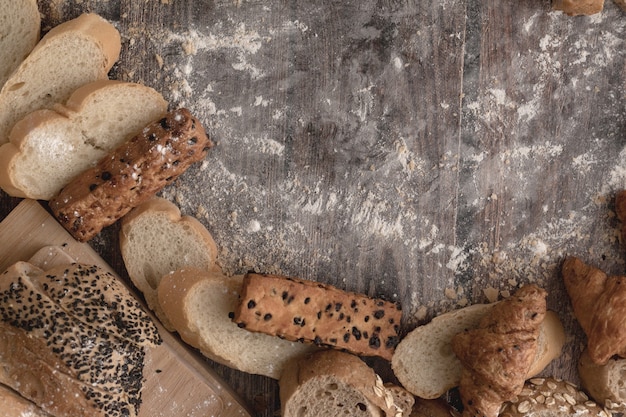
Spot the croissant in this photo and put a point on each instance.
(497, 355)
(599, 303)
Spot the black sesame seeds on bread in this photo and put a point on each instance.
(306, 311)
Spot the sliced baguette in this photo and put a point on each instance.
(48, 148)
(19, 33)
(334, 383)
(425, 364)
(68, 56)
(155, 240)
(198, 304)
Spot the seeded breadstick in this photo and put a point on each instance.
(131, 174)
(321, 314)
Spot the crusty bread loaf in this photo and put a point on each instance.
(73, 340)
(14, 405)
(48, 148)
(199, 305)
(19, 33)
(333, 383)
(550, 397)
(301, 310)
(131, 174)
(604, 383)
(425, 364)
(70, 55)
(436, 407)
(578, 7)
(155, 240)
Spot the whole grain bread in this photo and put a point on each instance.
(70, 55)
(199, 305)
(156, 240)
(425, 364)
(333, 383)
(131, 174)
(604, 383)
(14, 405)
(301, 310)
(49, 148)
(73, 340)
(19, 33)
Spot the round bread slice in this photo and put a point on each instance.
(155, 240)
(49, 148)
(604, 383)
(198, 304)
(19, 32)
(70, 55)
(425, 364)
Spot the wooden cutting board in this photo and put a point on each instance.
(178, 382)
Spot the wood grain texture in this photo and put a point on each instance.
(435, 153)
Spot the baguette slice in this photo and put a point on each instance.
(48, 148)
(155, 240)
(198, 304)
(604, 383)
(68, 56)
(14, 405)
(335, 383)
(19, 33)
(425, 364)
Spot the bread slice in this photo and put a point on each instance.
(48, 148)
(425, 364)
(70, 55)
(155, 240)
(19, 33)
(578, 7)
(199, 304)
(333, 383)
(604, 383)
(14, 405)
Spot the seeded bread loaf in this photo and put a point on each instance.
(49, 148)
(604, 383)
(550, 397)
(131, 174)
(425, 364)
(14, 405)
(578, 7)
(301, 310)
(332, 383)
(156, 240)
(199, 305)
(73, 340)
(19, 33)
(70, 55)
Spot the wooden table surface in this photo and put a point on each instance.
(437, 153)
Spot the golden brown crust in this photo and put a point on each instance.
(300, 310)
(599, 303)
(131, 174)
(578, 7)
(496, 356)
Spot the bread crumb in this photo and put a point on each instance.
(450, 293)
(491, 294)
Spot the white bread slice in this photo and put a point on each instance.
(155, 240)
(14, 405)
(426, 366)
(604, 383)
(70, 55)
(198, 304)
(335, 383)
(48, 148)
(20, 24)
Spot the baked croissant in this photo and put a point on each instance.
(599, 303)
(497, 355)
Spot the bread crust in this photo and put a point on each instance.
(131, 174)
(578, 7)
(301, 310)
(14, 405)
(604, 382)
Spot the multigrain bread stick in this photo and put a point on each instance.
(321, 314)
(131, 174)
